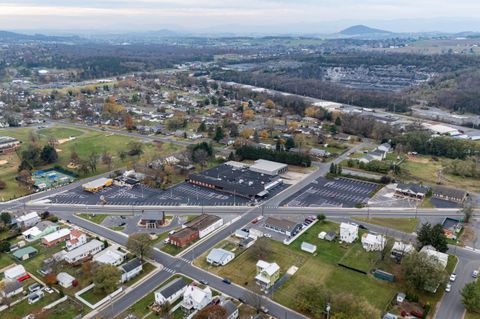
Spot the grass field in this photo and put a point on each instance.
(407, 225)
(84, 143)
(424, 169)
(97, 219)
(22, 309)
(93, 297)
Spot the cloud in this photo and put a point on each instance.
(202, 13)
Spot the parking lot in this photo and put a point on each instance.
(338, 192)
(181, 194)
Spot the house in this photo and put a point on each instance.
(24, 253)
(130, 269)
(83, 252)
(15, 272)
(230, 309)
(27, 220)
(282, 226)
(110, 256)
(309, 248)
(342, 137)
(76, 240)
(400, 249)
(375, 155)
(65, 280)
(267, 274)
(39, 230)
(170, 292)
(449, 194)
(385, 147)
(435, 255)
(372, 242)
(219, 257)
(348, 232)
(56, 237)
(414, 191)
(195, 298)
(152, 220)
(11, 288)
(315, 152)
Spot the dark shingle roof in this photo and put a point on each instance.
(172, 287)
(132, 264)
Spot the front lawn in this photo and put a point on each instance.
(93, 296)
(407, 225)
(97, 218)
(23, 309)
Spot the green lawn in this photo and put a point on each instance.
(97, 219)
(407, 225)
(117, 228)
(93, 297)
(23, 308)
(66, 310)
(173, 250)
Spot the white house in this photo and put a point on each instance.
(65, 280)
(28, 220)
(11, 288)
(89, 249)
(130, 269)
(435, 255)
(309, 248)
(196, 298)
(170, 292)
(219, 257)
(76, 240)
(372, 242)
(400, 249)
(14, 272)
(111, 256)
(348, 232)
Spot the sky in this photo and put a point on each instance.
(275, 16)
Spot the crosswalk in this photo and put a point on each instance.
(169, 270)
(185, 260)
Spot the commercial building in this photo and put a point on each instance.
(97, 185)
(237, 179)
(83, 252)
(268, 167)
(8, 144)
(449, 194)
(183, 237)
(152, 220)
(413, 191)
(282, 226)
(204, 224)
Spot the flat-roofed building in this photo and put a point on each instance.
(8, 144)
(84, 252)
(204, 224)
(97, 185)
(268, 167)
(282, 226)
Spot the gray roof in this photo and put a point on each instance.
(12, 286)
(172, 287)
(131, 265)
(415, 188)
(44, 225)
(450, 192)
(283, 224)
(230, 307)
(217, 255)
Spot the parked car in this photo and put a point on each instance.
(204, 282)
(453, 276)
(475, 274)
(34, 297)
(49, 290)
(362, 227)
(448, 288)
(264, 309)
(227, 281)
(267, 235)
(34, 287)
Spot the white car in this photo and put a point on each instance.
(448, 288)
(475, 274)
(453, 276)
(267, 235)
(48, 289)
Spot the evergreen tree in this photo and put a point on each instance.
(218, 134)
